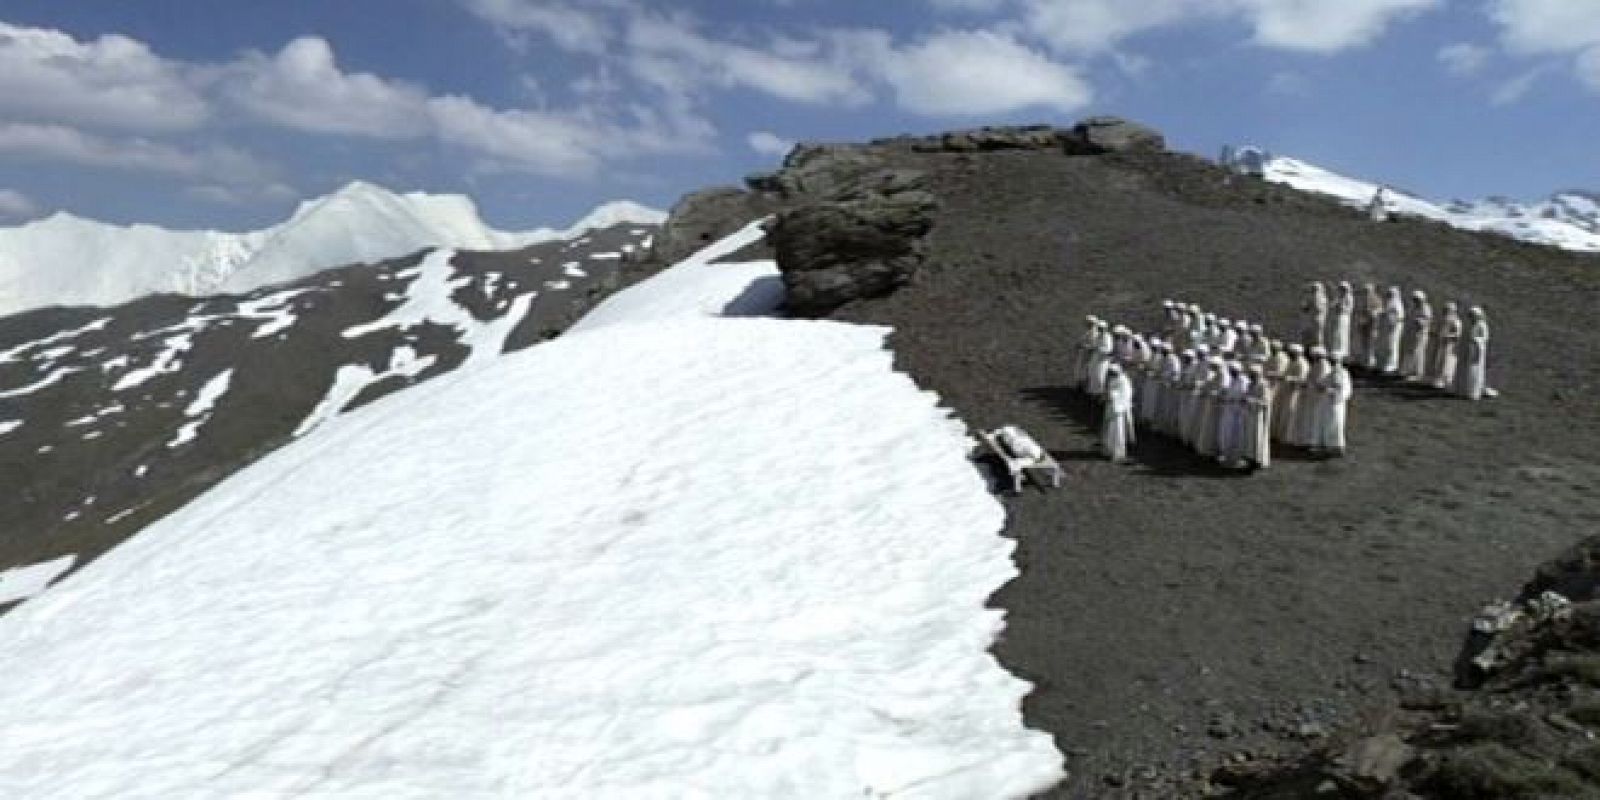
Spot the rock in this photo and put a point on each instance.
(831, 253)
(1376, 761)
(703, 217)
(1575, 574)
(1115, 135)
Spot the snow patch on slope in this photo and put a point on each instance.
(199, 411)
(742, 558)
(22, 583)
(1570, 221)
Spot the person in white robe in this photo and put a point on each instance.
(1197, 327)
(1232, 415)
(1392, 326)
(1314, 315)
(1259, 350)
(1414, 366)
(1210, 408)
(1227, 336)
(1308, 411)
(1344, 307)
(1277, 361)
(1472, 373)
(1172, 318)
(1213, 332)
(1290, 388)
(1116, 429)
(1084, 353)
(1334, 389)
(1172, 364)
(1148, 396)
(1370, 324)
(1444, 361)
(1194, 384)
(1099, 359)
(1257, 449)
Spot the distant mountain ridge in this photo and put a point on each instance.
(67, 260)
(1569, 220)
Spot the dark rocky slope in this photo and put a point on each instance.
(1173, 615)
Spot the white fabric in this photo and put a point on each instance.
(1019, 444)
(1314, 316)
(1415, 363)
(1289, 392)
(1392, 326)
(1210, 411)
(1371, 324)
(1257, 447)
(1308, 410)
(1334, 392)
(1344, 306)
(1117, 428)
(1444, 366)
(1472, 373)
(1231, 419)
(1099, 359)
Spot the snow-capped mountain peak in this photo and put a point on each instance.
(68, 260)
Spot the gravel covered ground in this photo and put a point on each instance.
(1174, 615)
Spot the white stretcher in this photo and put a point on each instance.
(1020, 465)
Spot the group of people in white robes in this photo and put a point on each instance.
(1222, 387)
(1384, 333)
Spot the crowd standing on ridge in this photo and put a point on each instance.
(1229, 391)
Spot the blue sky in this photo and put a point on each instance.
(223, 113)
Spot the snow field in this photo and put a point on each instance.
(21, 583)
(671, 556)
(1508, 220)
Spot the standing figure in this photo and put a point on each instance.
(1136, 369)
(1371, 325)
(1444, 361)
(1172, 319)
(1194, 387)
(1257, 450)
(1232, 416)
(1391, 328)
(1082, 357)
(1210, 408)
(1259, 350)
(1290, 389)
(1472, 374)
(1116, 429)
(1099, 358)
(1172, 366)
(1415, 364)
(1227, 337)
(1277, 361)
(1344, 307)
(1334, 390)
(1213, 332)
(1197, 327)
(1308, 412)
(1314, 315)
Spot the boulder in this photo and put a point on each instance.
(831, 253)
(703, 217)
(1116, 135)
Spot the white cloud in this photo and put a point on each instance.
(1539, 27)
(1464, 58)
(112, 81)
(16, 205)
(49, 142)
(672, 55)
(1289, 83)
(768, 143)
(979, 73)
(302, 87)
(1588, 67)
(569, 27)
(1097, 26)
(1510, 91)
(1547, 26)
(1325, 26)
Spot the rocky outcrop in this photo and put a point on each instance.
(1526, 727)
(1116, 135)
(834, 252)
(703, 217)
